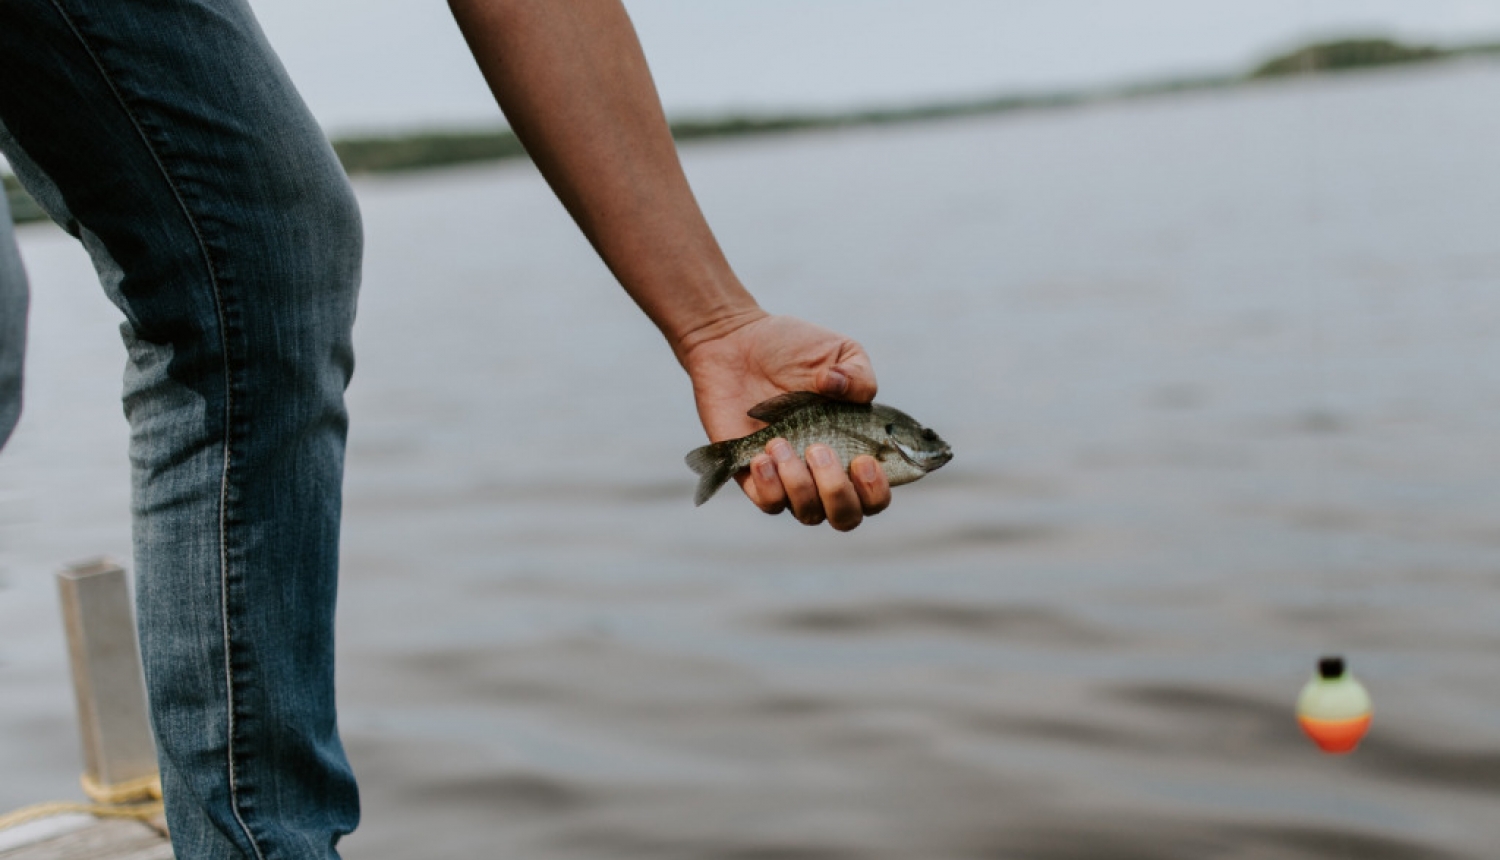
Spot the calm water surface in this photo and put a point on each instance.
(1222, 373)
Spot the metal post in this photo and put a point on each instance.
(107, 678)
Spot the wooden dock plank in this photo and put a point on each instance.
(101, 840)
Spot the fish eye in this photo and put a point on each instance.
(929, 435)
(890, 429)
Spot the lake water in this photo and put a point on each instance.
(1222, 376)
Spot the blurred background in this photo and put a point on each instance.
(1216, 340)
(389, 64)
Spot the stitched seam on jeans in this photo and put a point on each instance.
(234, 806)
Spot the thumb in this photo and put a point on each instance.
(851, 380)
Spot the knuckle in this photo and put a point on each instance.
(796, 476)
(771, 496)
(832, 472)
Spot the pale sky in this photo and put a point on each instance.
(391, 64)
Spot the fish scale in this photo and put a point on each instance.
(904, 448)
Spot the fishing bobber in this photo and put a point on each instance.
(1334, 708)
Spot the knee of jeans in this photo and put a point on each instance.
(332, 208)
(316, 239)
(308, 250)
(283, 267)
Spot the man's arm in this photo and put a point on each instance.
(572, 79)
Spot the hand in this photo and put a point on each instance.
(771, 355)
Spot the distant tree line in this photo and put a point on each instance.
(386, 154)
(1346, 54)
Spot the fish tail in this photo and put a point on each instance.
(715, 464)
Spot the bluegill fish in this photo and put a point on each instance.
(904, 448)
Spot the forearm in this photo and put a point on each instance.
(572, 79)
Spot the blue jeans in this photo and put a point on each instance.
(165, 135)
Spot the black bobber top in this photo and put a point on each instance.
(1331, 667)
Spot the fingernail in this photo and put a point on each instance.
(865, 470)
(782, 450)
(836, 383)
(764, 468)
(820, 456)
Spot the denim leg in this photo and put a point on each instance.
(13, 302)
(167, 136)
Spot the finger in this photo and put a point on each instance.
(840, 502)
(769, 495)
(851, 378)
(797, 482)
(871, 483)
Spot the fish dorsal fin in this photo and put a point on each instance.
(782, 405)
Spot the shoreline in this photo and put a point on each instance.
(429, 149)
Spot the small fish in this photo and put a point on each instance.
(906, 450)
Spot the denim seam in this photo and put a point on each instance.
(229, 423)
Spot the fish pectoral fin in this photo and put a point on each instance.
(782, 405)
(874, 448)
(877, 449)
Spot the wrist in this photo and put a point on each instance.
(711, 325)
